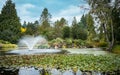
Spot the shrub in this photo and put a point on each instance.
(102, 44)
(116, 49)
(4, 42)
(9, 46)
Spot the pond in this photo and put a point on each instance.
(32, 70)
(94, 51)
(22, 51)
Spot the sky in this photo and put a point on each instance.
(30, 10)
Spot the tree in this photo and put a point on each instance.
(32, 28)
(45, 22)
(83, 21)
(116, 20)
(58, 27)
(103, 10)
(90, 27)
(66, 32)
(9, 23)
(62, 22)
(78, 31)
(74, 28)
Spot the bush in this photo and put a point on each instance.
(9, 46)
(57, 41)
(116, 49)
(4, 42)
(102, 44)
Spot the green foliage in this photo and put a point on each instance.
(45, 16)
(6, 44)
(58, 28)
(45, 27)
(102, 63)
(116, 21)
(116, 49)
(9, 23)
(66, 32)
(107, 13)
(102, 44)
(90, 27)
(32, 28)
(78, 31)
(67, 43)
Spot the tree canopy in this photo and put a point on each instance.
(9, 23)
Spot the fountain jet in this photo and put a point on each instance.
(31, 41)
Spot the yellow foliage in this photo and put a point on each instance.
(23, 29)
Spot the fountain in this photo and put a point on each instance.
(30, 42)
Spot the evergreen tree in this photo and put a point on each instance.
(74, 27)
(45, 22)
(83, 21)
(78, 30)
(66, 32)
(58, 27)
(9, 23)
(90, 27)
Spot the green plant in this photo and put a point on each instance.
(4, 42)
(102, 44)
(102, 63)
(116, 49)
(9, 46)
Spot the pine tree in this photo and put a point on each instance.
(9, 23)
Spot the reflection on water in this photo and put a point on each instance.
(50, 71)
(95, 51)
(28, 71)
(40, 71)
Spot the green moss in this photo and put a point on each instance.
(116, 49)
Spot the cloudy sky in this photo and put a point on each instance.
(30, 10)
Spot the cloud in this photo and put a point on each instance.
(25, 13)
(28, 19)
(24, 9)
(68, 14)
(71, 10)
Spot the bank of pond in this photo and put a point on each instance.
(73, 64)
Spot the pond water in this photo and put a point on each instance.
(41, 71)
(51, 71)
(29, 52)
(95, 51)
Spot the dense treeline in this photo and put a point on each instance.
(59, 29)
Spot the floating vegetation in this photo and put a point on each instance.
(101, 63)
